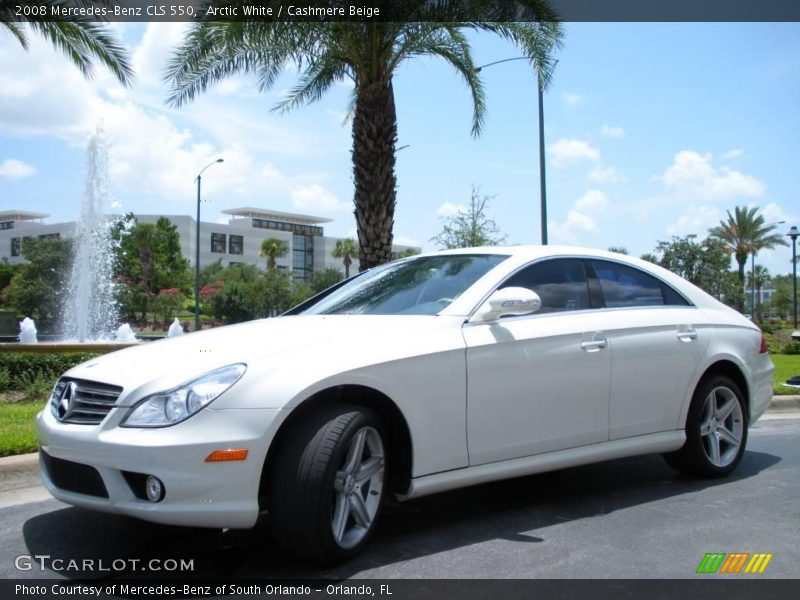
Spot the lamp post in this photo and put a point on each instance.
(542, 178)
(793, 233)
(197, 249)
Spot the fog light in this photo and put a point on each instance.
(154, 488)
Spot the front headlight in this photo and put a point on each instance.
(176, 405)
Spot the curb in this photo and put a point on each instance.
(22, 471)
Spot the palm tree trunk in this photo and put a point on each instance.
(742, 261)
(374, 137)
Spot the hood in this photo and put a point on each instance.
(155, 366)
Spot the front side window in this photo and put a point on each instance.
(560, 283)
(218, 243)
(625, 286)
(415, 286)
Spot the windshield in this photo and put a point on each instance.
(414, 286)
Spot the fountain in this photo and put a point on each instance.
(90, 311)
(125, 334)
(27, 331)
(175, 329)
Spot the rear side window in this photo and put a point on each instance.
(625, 286)
(560, 283)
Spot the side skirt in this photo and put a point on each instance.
(665, 441)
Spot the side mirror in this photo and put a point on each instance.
(509, 301)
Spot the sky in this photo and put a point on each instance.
(652, 130)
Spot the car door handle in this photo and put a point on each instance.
(687, 335)
(594, 345)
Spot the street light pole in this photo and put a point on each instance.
(542, 177)
(197, 249)
(793, 233)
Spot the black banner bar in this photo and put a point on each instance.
(735, 588)
(376, 11)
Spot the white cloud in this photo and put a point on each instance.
(696, 220)
(567, 151)
(314, 197)
(581, 218)
(12, 168)
(612, 131)
(730, 154)
(605, 175)
(157, 151)
(448, 209)
(692, 174)
(571, 98)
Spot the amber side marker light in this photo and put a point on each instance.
(227, 455)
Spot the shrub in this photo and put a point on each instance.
(5, 380)
(35, 387)
(26, 367)
(791, 348)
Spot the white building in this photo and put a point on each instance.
(238, 241)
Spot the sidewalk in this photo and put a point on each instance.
(19, 475)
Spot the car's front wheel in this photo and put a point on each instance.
(716, 430)
(327, 483)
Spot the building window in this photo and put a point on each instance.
(295, 228)
(15, 246)
(48, 236)
(302, 257)
(218, 243)
(235, 244)
(7, 225)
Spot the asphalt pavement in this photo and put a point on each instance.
(629, 518)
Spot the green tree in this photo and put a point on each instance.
(37, 288)
(272, 249)
(781, 299)
(706, 264)
(405, 253)
(148, 259)
(743, 233)
(81, 39)
(618, 249)
(471, 227)
(368, 54)
(322, 280)
(7, 272)
(650, 257)
(345, 249)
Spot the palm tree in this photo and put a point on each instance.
(745, 232)
(345, 249)
(81, 39)
(368, 54)
(272, 249)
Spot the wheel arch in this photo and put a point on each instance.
(399, 442)
(728, 368)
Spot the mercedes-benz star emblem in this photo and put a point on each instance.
(65, 401)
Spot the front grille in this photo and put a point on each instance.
(73, 477)
(83, 402)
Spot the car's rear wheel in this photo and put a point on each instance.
(716, 430)
(327, 484)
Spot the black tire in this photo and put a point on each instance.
(305, 492)
(704, 430)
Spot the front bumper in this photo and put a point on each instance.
(197, 493)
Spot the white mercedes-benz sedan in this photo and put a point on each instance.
(426, 374)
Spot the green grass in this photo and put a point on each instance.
(786, 365)
(17, 429)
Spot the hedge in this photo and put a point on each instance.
(28, 366)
